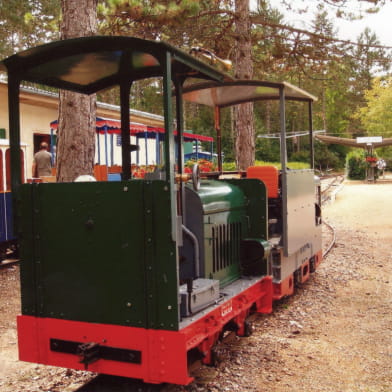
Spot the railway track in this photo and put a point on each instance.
(329, 185)
(333, 238)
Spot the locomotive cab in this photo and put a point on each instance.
(294, 217)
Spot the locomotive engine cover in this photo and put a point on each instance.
(216, 214)
(222, 215)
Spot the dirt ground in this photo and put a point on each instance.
(333, 335)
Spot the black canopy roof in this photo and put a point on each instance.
(90, 64)
(240, 91)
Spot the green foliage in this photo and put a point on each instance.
(267, 149)
(356, 165)
(300, 156)
(325, 158)
(376, 116)
(26, 23)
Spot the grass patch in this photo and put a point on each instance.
(230, 166)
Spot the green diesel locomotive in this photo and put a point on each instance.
(137, 277)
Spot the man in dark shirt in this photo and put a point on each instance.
(42, 164)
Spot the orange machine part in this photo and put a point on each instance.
(269, 175)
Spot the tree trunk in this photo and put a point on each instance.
(243, 114)
(76, 131)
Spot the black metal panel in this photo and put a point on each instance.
(194, 222)
(91, 352)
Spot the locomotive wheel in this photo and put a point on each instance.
(248, 329)
(196, 177)
(217, 356)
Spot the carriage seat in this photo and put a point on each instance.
(269, 175)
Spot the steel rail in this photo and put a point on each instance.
(333, 241)
(324, 198)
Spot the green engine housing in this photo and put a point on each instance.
(223, 215)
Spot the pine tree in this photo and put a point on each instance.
(76, 132)
(243, 114)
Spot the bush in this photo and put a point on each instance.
(356, 165)
(300, 156)
(325, 159)
(229, 166)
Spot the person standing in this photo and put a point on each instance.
(42, 164)
(381, 165)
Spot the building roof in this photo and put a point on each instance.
(39, 97)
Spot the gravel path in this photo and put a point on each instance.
(333, 335)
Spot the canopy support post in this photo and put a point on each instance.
(283, 161)
(169, 147)
(98, 148)
(180, 143)
(14, 124)
(218, 137)
(311, 140)
(125, 134)
(105, 129)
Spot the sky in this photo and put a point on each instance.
(379, 23)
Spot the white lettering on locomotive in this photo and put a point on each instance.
(226, 308)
